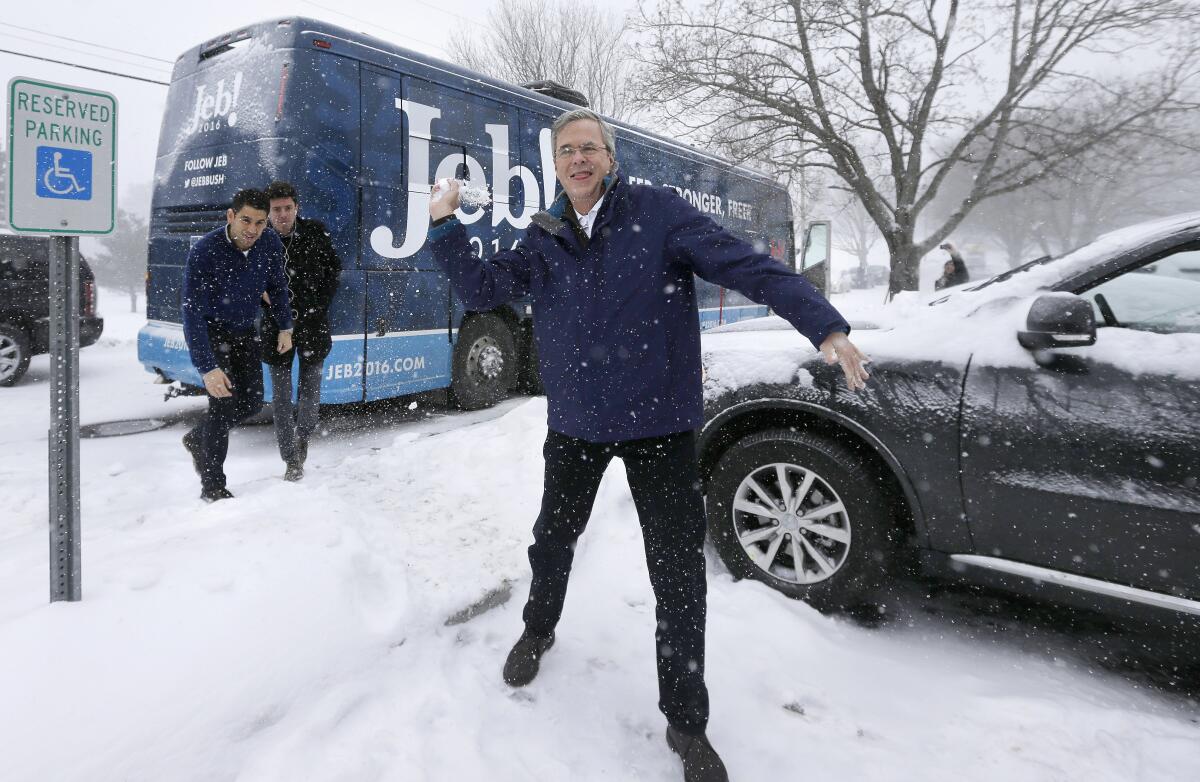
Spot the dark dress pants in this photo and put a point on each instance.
(238, 355)
(295, 423)
(665, 482)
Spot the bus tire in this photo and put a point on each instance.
(485, 363)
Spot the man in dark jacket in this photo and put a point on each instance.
(313, 269)
(225, 275)
(609, 268)
(954, 271)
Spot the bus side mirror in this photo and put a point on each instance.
(813, 260)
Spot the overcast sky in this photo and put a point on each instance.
(162, 30)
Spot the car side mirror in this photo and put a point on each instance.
(1058, 321)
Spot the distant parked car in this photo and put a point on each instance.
(876, 275)
(1038, 431)
(25, 303)
(858, 278)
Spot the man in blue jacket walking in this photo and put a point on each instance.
(609, 268)
(225, 276)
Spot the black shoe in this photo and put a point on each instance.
(701, 763)
(294, 471)
(522, 664)
(212, 495)
(196, 449)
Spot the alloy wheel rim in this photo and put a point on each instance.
(10, 356)
(791, 523)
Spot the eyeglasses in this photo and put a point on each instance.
(587, 150)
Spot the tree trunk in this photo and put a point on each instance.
(906, 271)
(906, 262)
(132, 300)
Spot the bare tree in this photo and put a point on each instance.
(1104, 188)
(917, 89)
(121, 260)
(1014, 221)
(1109, 191)
(856, 232)
(577, 45)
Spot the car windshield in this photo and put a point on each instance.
(1001, 277)
(1004, 275)
(1062, 266)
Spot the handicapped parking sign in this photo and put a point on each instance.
(64, 173)
(62, 159)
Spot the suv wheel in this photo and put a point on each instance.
(485, 363)
(804, 515)
(14, 354)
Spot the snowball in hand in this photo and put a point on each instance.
(468, 194)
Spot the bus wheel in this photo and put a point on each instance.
(485, 363)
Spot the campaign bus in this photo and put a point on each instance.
(363, 128)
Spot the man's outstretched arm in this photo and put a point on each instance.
(482, 285)
(721, 258)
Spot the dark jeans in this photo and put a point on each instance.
(238, 356)
(665, 483)
(295, 423)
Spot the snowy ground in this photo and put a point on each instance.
(300, 632)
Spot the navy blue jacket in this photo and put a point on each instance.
(223, 287)
(615, 318)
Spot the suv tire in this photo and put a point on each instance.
(845, 554)
(14, 353)
(485, 363)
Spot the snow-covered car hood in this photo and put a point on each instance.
(950, 334)
(979, 324)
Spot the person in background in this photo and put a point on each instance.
(954, 272)
(224, 277)
(313, 271)
(610, 268)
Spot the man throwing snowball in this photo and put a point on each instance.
(609, 269)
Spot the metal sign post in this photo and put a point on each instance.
(62, 180)
(65, 565)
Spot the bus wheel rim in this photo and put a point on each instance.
(485, 361)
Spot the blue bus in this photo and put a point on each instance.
(362, 128)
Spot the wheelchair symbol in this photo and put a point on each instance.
(63, 182)
(64, 173)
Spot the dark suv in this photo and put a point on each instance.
(25, 303)
(1039, 431)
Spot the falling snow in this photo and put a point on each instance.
(302, 631)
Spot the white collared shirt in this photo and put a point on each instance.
(586, 221)
(229, 239)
